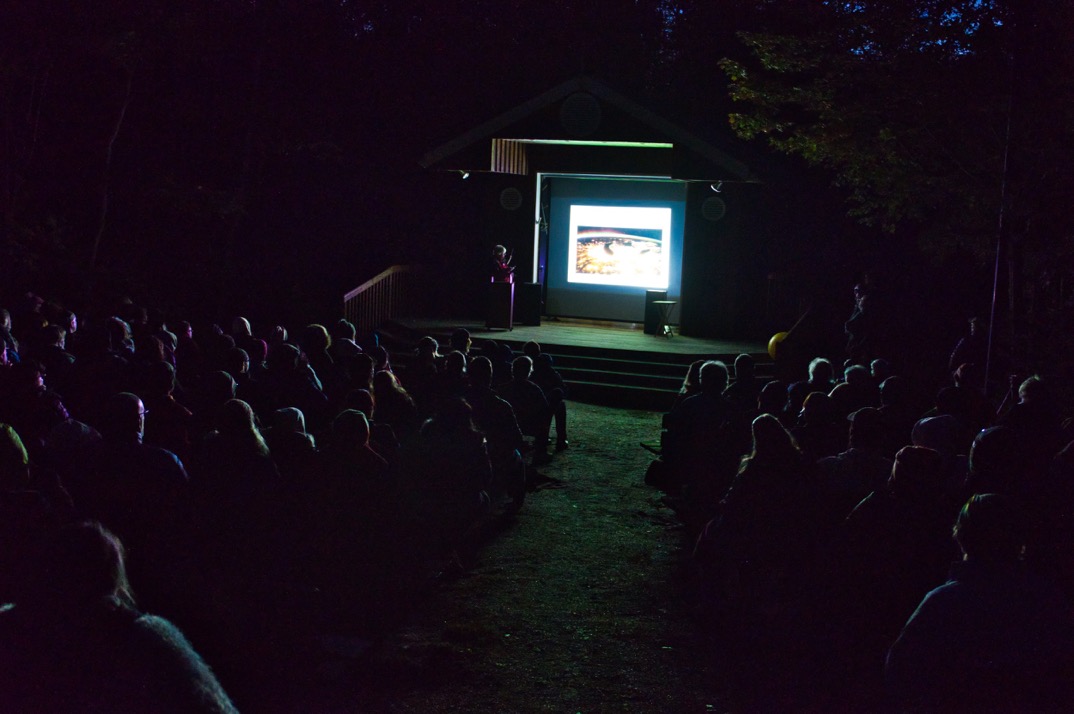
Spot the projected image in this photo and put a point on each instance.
(619, 245)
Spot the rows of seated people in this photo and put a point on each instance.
(263, 488)
(827, 510)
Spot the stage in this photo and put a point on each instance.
(612, 363)
(594, 334)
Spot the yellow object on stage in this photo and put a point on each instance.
(773, 344)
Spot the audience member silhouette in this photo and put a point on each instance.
(423, 373)
(289, 383)
(460, 340)
(821, 378)
(394, 406)
(189, 357)
(894, 547)
(237, 363)
(551, 382)
(293, 449)
(235, 486)
(897, 414)
(501, 356)
(382, 437)
(496, 419)
(168, 423)
(314, 343)
(453, 473)
(137, 490)
(757, 552)
(58, 363)
(531, 407)
(771, 399)
(693, 444)
(821, 431)
(1035, 419)
(880, 369)
(344, 345)
(847, 478)
(691, 383)
(742, 392)
(452, 381)
(993, 638)
(29, 405)
(214, 390)
(353, 511)
(862, 390)
(76, 641)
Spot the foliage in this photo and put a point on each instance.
(274, 139)
(914, 105)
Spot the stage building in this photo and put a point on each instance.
(608, 206)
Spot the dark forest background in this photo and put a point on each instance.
(262, 156)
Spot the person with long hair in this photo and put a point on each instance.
(77, 642)
(394, 405)
(755, 553)
(235, 483)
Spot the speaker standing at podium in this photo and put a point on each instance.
(502, 270)
(501, 296)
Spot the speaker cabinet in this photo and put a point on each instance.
(652, 312)
(528, 304)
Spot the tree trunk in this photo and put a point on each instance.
(107, 169)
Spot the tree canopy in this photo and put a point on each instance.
(277, 140)
(928, 113)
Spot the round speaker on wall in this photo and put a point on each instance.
(713, 209)
(580, 114)
(510, 199)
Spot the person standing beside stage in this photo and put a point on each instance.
(858, 326)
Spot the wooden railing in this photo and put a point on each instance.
(391, 294)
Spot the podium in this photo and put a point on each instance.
(500, 306)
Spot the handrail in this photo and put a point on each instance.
(387, 295)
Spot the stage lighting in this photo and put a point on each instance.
(717, 187)
(465, 175)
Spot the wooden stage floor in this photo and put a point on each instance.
(590, 334)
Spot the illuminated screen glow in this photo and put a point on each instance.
(619, 245)
(609, 241)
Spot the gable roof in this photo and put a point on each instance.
(506, 138)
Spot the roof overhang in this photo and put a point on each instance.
(503, 144)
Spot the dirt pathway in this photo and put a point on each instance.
(574, 607)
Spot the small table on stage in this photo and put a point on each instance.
(665, 306)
